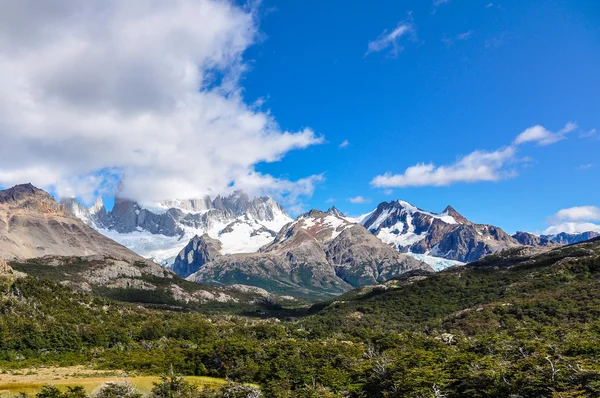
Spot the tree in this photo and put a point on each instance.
(118, 390)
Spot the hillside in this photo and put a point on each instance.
(33, 224)
(519, 323)
(39, 237)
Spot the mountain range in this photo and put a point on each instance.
(318, 253)
(41, 237)
(235, 240)
(160, 230)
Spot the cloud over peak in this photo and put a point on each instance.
(147, 92)
(575, 220)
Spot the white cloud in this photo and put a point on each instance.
(477, 166)
(146, 91)
(437, 3)
(543, 136)
(344, 144)
(593, 134)
(585, 166)
(391, 39)
(572, 228)
(358, 200)
(459, 37)
(578, 213)
(575, 220)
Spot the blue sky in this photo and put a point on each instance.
(471, 77)
(489, 106)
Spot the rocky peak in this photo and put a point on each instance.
(528, 239)
(565, 238)
(26, 196)
(449, 210)
(191, 205)
(334, 211)
(199, 251)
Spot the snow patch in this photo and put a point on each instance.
(437, 263)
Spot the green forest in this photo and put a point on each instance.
(509, 325)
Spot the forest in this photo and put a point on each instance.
(508, 325)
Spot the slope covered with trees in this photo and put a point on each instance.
(516, 323)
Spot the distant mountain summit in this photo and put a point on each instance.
(319, 253)
(564, 238)
(448, 235)
(160, 230)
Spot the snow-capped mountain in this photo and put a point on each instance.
(160, 230)
(564, 238)
(430, 236)
(319, 253)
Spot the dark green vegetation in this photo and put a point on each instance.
(512, 324)
(76, 272)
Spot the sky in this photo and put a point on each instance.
(491, 107)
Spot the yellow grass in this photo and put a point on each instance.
(32, 380)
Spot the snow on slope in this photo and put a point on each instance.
(243, 236)
(437, 263)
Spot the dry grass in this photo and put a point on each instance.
(32, 380)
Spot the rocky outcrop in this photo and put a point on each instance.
(527, 239)
(5, 268)
(199, 251)
(470, 242)
(360, 258)
(317, 254)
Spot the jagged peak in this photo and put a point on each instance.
(21, 191)
(335, 211)
(456, 215)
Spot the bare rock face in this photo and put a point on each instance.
(318, 254)
(5, 268)
(199, 251)
(470, 242)
(33, 224)
(360, 259)
(527, 239)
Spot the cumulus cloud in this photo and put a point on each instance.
(145, 93)
(543, 136)
(358, 199)
(575, 220)
(579, 213)
(474, 167)
(477, 166)
(344, 144)
(391, 40)
(572, 228)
